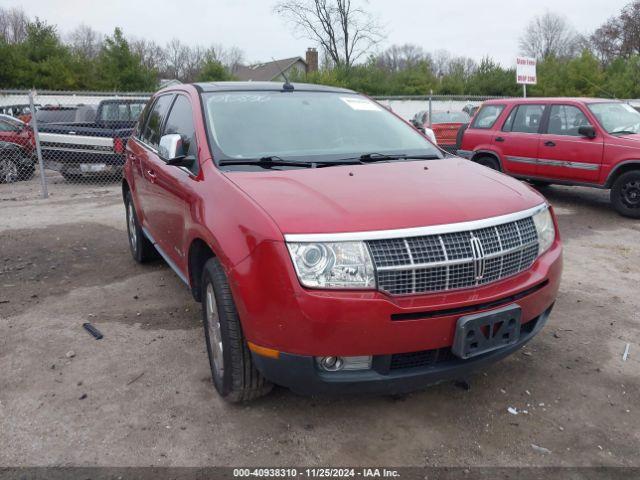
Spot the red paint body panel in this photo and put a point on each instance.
(25, 138)
(243, 217)
(553, 155)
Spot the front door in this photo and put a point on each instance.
(172, 186)
(563, 153)
(147, 157)
(518, 141)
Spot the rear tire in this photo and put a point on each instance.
(234, 375)
(142, 250)
(489, 162)
(625, 194)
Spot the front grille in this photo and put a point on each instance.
(425, 358)
(452, 261)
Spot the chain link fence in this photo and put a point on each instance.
(71, 141)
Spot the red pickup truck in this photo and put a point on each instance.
(569, 141)
(333, 247)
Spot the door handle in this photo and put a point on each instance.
(549, 144)
(499, 139)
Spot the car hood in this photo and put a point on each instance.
(632, 140)
(384, 196)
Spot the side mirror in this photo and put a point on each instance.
(170, 147)
(587, 131)
(171, 150)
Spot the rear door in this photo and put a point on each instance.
(563, 152)
(479, 135)
(518, 140)
(172, 187)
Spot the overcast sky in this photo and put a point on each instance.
(479, 28)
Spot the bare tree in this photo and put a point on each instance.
(13, 25)
(152, 56)
(85, 41)
(344, 29)
(549, 35)
(401, 57)
(629, 29)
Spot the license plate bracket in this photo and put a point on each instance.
(485, 332)
(93, 167)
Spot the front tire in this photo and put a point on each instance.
(9, 171)
(625, 194)
(142, 250)
(234, 375)
(489, 162)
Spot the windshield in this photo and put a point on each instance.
(121, 112)
(616, 117)
(307, 126)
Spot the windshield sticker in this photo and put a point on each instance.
(361, 104)
(236, 98)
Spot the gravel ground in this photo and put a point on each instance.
(143, 396)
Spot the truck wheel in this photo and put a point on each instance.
(625, 194)
(9, 172)
(489, 162)
(71, 177)
(234, 375)
(142, 250)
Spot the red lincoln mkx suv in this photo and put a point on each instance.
(333, 247)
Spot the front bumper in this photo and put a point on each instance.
(301, 374)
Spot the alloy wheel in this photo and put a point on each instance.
(215, 334)
(133, 234)
(8, 171)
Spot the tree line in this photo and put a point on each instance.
(34, 53)
(605, 63)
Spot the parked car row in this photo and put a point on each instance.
(568, 141)
(76, 140)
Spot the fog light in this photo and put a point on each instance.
(334, 364)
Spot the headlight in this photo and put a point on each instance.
(333, 265)
(546, 230)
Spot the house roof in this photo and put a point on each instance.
(265, 72)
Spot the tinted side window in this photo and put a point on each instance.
(142, 120)
(487, 116)
(566, 120)
(526, 119)
(151, 132)
(5, 127)
(180, 121)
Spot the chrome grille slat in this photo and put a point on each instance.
(456, 260)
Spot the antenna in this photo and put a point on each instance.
(287, 84)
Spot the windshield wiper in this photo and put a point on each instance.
(266, 162)
(380, 157)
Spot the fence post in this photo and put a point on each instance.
(430, 109)
(34, 126)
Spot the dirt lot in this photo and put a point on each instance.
(143, 396)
